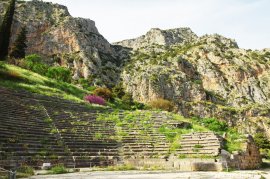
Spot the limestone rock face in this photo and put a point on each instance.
(209, 76)
(147, 82)
(211, 66)
(160, 37)
(64, 40)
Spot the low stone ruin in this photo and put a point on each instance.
(249, 158)
(210, 145)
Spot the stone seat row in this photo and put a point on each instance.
(203, 142)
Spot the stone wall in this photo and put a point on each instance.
(189, 164)
(249, 158)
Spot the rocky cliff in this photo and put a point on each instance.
(208, 76)
(64, 40)
(211, 67)
(160, 37)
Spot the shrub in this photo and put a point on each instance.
(118, 91)
(162, 104)
(138, 106)
(34, 63)
(59, 73)
(265, 153)
(34, 58)
(95, 99)
(261, 140)
(86, 84)
(104, 93)
(127, 99)
(40, 68)
(59, 169)
(215, 125)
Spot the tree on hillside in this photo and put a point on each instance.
(18, 50)
(5, 30)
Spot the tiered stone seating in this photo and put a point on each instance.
(202, 143)
(35, 129)
(146, 143)
(73, 134)
(25, 137)
(88, 140)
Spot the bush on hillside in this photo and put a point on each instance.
(130, 103)
(87, 84)
(118, 90)
(215, 125)
(162, 104)
(261, 140)
(95, 99)
(127, 99)
(34, 63)
(104, 93)
(59, 73)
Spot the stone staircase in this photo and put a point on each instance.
(145, 143)
(201, 143)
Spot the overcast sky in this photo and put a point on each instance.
(247, 21)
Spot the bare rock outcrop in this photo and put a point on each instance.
(156, 36)
(64, 40)
(207, 77)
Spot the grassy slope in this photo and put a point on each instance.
(17, 78)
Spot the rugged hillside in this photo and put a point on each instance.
(66, 41)
(212, 63)
(208, 76)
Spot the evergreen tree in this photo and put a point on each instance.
(5, 30)
(18, 50)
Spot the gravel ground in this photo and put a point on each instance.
(255, 174)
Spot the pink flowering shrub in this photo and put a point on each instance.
(95, 99)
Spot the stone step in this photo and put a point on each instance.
(199, 144)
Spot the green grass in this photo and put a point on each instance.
(17, 78)
(234, 140)
(58, 169)
(124, 167)
(20, 79)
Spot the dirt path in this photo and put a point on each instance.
(159, 175)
